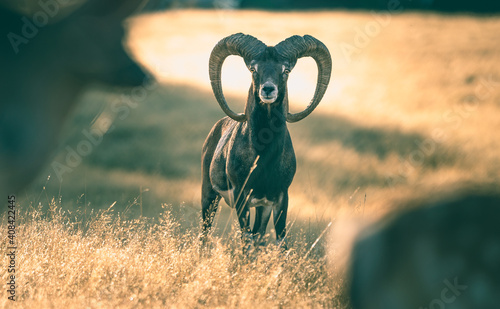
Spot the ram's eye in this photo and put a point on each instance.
(252, 69)
(287, 71)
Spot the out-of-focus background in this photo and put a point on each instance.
(411, 110)
(412, 106)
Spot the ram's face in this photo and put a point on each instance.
(269, 76)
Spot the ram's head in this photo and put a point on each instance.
(270, 66)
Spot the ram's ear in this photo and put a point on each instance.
(292, 63)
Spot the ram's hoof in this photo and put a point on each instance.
(206, 245)
(282, 244)
(248, 244)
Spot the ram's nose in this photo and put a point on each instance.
(268, 92)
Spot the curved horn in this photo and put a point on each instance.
(245, 46)
(296, 47)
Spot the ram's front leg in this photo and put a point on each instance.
(279, 217)
(262, 216)
(243, 212)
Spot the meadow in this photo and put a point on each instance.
(411, 111)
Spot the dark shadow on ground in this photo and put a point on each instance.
(374, 140)
(164, 134)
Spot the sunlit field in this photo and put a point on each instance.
(412, 109)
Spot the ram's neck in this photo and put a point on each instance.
(267, 126)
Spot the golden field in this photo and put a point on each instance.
(412, 110)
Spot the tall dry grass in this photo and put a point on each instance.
(102, 259)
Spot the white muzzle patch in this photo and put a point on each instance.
(268, 92)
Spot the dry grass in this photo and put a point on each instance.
(358, 155)
(108, 261)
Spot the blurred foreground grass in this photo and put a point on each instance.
(413, 111)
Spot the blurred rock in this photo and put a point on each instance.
(48, 58)
(441, 254)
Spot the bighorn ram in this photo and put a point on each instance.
(248, 158)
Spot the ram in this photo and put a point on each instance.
(248, 158)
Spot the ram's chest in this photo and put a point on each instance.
(267, 178)
(256, 186)
(258, 177)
